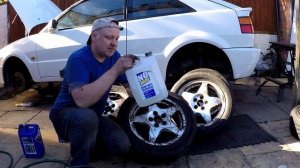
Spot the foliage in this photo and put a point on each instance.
(3, 1)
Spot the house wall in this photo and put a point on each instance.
(3, 25)
(261, 41)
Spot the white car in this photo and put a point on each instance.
(198, 44)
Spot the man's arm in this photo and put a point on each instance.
(89, 94)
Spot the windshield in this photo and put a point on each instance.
(86, 12)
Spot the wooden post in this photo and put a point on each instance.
(297, 60)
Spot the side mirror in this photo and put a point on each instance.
(53, 24)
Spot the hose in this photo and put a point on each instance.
(46, 161)
(31, 164)
(10, 157)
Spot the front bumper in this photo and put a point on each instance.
(243, 60)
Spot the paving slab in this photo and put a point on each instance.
(181, 162)
(278, 129)
(13, 119)
(15, 151)
(269, 92)
(257, 107)
(274, 160)
(42, 119)
(230, 158)
(8, 105)
(50, 138)
(261, 148)
(292, 144)
(2, 113)
(51, 153)
(12, 138)
(110, 162)
(4, 132)
(286, 102)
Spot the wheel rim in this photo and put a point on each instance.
(206, 99)
(160, 124)
(114, 102)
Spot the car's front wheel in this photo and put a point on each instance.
(17, 78)
(158, 132)
(209, 97)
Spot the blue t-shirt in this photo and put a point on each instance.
(83, 68)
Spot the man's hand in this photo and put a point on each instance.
(125, 62)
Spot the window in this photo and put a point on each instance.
(151, 8)
(86, 12)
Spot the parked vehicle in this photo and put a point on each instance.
(198, 44)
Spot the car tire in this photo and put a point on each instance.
(295, 122)
(210, 98)
(213, 72)
(18, 78)
(159, 132)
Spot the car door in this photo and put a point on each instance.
(151, 26)
(71, 33)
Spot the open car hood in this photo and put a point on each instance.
(34, 12)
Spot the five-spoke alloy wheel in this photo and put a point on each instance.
(209, 97)
(160, 131)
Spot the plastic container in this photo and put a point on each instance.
(146, 82)
(31, 140)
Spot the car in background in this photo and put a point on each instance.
(199, 45)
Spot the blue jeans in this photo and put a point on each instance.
(90, 135)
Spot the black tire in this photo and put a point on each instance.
(18, 78)
(295, 122)
(213, 72)
(212, 105)
(171, 121)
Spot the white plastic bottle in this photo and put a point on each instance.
(146, 81)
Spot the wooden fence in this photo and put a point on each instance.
(263, 16)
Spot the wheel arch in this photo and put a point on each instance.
(197, 55)
(13, 63)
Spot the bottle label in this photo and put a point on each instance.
(146, 84)
(28, 145)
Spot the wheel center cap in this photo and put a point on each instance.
(158, 120)
(200, 103)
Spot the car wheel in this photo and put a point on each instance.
(116, 97)
(158, 132)
(295, 122)
(18, 79)
(209, 97)
(113, 105)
